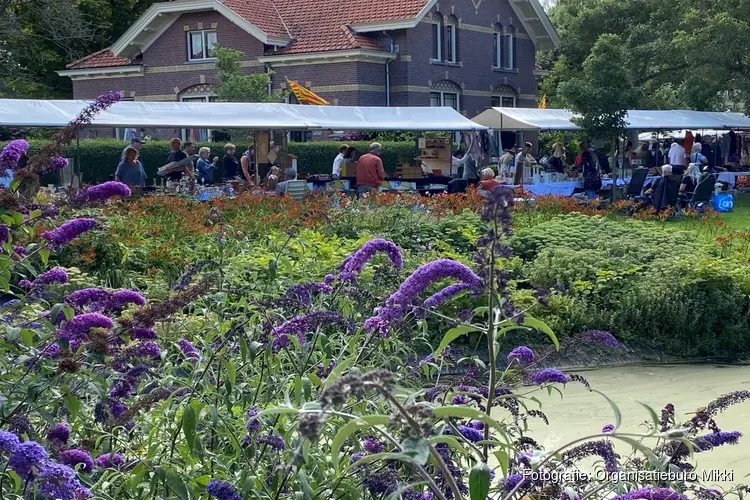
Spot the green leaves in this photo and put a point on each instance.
(417, 450)
(73, 405)
(350, 428)
(452, 335)
(479, 481)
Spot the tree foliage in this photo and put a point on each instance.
(681, 54)
(602, 92)
(236, 87)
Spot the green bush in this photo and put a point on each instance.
(98, 158)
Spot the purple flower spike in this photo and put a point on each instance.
(109, 460)
(8, 442)
(27, 455)
(54, 275)
(714, 439)
(274, 441)
(522, 354)
(470, 433)
(68, 231)
(86, 296)
(74, 457)
(144, 333)
(354, 264)
(601, 337)
(189, 350)
(548, 376)
(651, 494)
(4, 234)
(108, 190)
(11, 153)
(124, 297)
(445, 294)
(222, 490)
(79, 326)
(60, 432)
(608, 429)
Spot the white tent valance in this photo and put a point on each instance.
(560, 119)
(259, 116)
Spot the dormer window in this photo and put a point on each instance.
(201, 45)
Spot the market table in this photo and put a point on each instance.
(731, 177)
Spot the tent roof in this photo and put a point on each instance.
(561, 119)
(142, 114)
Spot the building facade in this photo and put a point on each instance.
(467, 54)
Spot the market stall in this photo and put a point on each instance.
(653, 121)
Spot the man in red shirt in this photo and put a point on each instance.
(370, 173)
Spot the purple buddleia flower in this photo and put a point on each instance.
(510, 482)
(667, 413)
(108, 190)
(19, 251)
(522, 354)
(68, 231)
(54, 275)
(608, 429)
(143, 333)
(78, 326)
(121, 389)
(714, 439)
(109, 460)
(11, 154)
(253, 423)
(57, 481)
(4, 234)
(74, 457)
(356, 457)
(477, 424)
(146, 350)
(8, 442)
(354, 264)
(601, 337)
(299, 326)
(86, 296)
(27, 455)
(470, 433)
(60, 432)
(122, 298)
(372, 445)
(548, 375)
(133, 374)
(222, 490)
(446, 293)
(54, 163)
(303, 292)
(381, 483)
(602, 448)
(189, 350)
(274, 441)
(651, 494)
(25, 284)
(187, 278)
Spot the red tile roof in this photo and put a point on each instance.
(313, 25)
(102, 59)
(322, 25)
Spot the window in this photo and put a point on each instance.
(497, 45)
(510, 42)
(503, 101)
(451, 35)
(448, 99)
(201, 45)
(197, 134)
(437, 40)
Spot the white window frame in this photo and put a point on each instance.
(497, 50)
(437, 28)
(509, 46)
(442, 98)
(204, 41)
(453, 29)
(194, 98)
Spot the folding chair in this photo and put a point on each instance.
(637, 180)
(296, 189)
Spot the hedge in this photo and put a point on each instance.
(99, 157)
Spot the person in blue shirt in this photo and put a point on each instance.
(136, 144)
(130, 170)
(204, 170)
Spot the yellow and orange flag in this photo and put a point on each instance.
(305, 96)
(543, 102)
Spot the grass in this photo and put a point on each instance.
(739, 218)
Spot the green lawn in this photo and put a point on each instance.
(739, 218)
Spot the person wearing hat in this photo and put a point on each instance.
(370, 174)
(136, 143)
(508, 161)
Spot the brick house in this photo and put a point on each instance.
(468, 54)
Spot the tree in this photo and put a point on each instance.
(679, 54)
(602, 92)
(235, 87)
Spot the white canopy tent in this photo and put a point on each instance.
(259, 116)
(532, 119)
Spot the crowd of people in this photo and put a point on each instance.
(184, 162)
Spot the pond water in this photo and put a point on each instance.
(688, 387)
